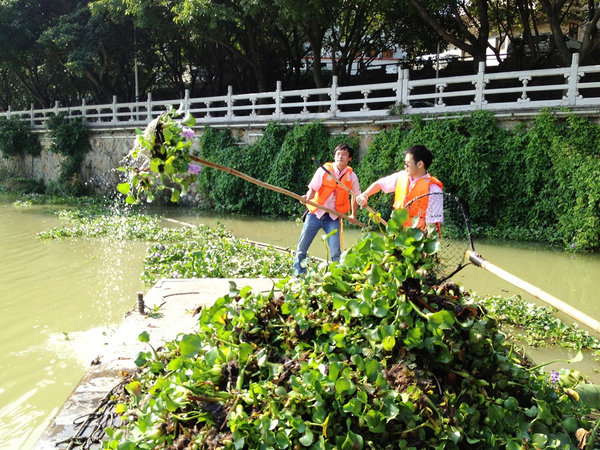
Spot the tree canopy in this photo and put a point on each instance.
(68, 51)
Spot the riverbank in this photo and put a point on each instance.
(170, 309)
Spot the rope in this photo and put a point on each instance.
(103, 416)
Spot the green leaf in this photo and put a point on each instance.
(443, 320)
(190, 345)
(155, 165)
(353, 441)
(144, 336)
(140, 359)
(372, 369)
(344, 386)
(539, 440)
(175, 364)
(245, 350)
(353, 308)
(354, 406)
(388, 343)
(399, 216)
(307, 438)
(589, 395)
(189, 120)
(175, 196)
(123, 188)
(544, 412)
(233, 289)
(134, 388)
(375, 421)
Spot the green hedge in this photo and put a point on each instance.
(538, 182)
(282, 157)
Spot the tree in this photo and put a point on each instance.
(94, 51)
(21, 23)
(557, 11)
(461, 23)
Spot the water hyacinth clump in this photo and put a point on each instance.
(214, 253)
(160, 159)
(538, 325)
(359, 354)
(187, 252)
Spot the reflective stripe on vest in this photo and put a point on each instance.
(329, 185)
(403, 196)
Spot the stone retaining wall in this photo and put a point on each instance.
(109, 146)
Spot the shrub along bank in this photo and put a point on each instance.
(538, 182)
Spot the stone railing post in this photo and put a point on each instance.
(83, 110)
(572, 82)
(114, 110)
(149, 107)
(333, 95)
(186, 101)
(230, 102)
(479, 83)
(278, 113)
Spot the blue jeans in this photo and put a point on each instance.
(311, 227)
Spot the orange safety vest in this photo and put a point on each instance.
(403, 196)
(329, 185)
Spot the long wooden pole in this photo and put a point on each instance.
(368, 208)
(581, 317)
(239, 174)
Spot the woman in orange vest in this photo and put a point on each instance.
(409, 184)
(324, 191)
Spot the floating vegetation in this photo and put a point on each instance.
(187, 252)
(539, 324)
(214, 254)
(361, 354)
(203, 252)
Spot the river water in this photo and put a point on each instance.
(61, 298)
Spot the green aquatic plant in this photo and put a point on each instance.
(213, 253)
(161, 159)
(360, 354)
(187, 252)
(538, 324)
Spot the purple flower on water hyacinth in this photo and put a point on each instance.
(572, 244)
(175, 275)
(553, 377)
(188, 133)
(194, 169)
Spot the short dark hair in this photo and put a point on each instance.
(346, 147)
(421, 153)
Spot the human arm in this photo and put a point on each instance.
(362, 199)
(310, 194)
(435, 206)
(314, 185)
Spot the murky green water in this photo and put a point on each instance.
(61, 298)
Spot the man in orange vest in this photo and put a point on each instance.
(409, 184)
(325, 191)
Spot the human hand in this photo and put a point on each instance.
(362, 200)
